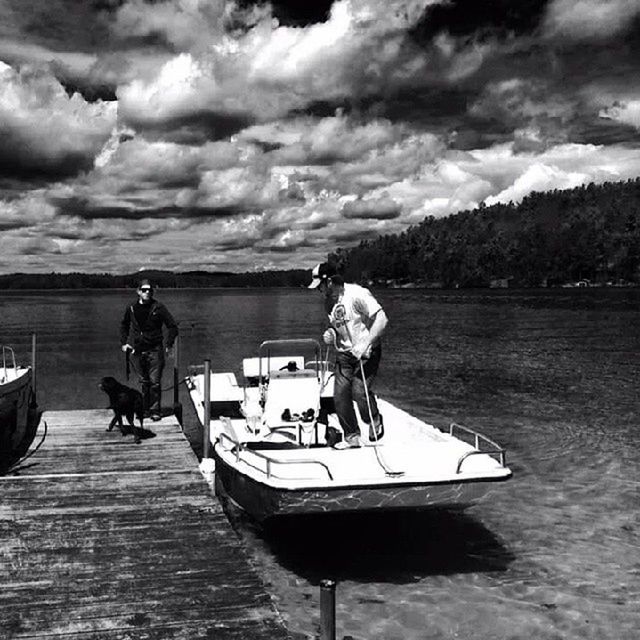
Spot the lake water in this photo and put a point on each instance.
(551, 375)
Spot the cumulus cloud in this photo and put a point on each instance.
(270, 70)
(538, 177)
(43, 129)
(500, 173)
(26, 211)
(72, 64)
(261, 169)
(590, 19)
(627, 112)
(382, 208)
(183, 24)
(338, 139)
(562, 167)
(519, 102)
(239, 139)
(239, 195)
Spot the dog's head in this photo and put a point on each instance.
(108, 383)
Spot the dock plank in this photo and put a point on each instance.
(107, 540)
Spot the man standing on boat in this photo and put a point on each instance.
(144, 319)
(357, 323)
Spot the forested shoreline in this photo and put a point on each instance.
(589, 235)
(163, 279)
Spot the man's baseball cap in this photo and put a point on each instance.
(321, 273)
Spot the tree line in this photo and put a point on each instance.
(589, 234)
(163, 279)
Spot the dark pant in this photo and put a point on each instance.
(149, 366)
(349, 387)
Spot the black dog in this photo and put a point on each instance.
(126, 402)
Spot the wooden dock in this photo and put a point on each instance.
(104, 539)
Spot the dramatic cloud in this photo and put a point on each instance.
(25, 213)
(225, 135)
(626, 112)
(363, 49)
(181, 24)
(590, 19)
(43, 129)
(382, 208)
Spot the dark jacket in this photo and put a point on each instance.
(148, 336)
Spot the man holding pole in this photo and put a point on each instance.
(357, 323)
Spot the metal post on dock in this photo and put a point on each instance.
(177, 407)
(176, 377)
(207, 409)
(327, 610)
(33, 361)
(207, 464)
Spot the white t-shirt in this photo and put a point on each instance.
(352, 315)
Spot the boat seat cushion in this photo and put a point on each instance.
(295, 393)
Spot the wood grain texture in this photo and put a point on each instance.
(104, 539)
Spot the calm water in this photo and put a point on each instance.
(551, 375)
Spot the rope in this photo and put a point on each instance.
(162, 389)
(385, 467)
(388, 470)
(12, 468)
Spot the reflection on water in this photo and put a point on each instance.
(551, 375)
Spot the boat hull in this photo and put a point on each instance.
(19, 419)
(264, 502)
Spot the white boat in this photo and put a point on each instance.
(19, 413)
(272, 458)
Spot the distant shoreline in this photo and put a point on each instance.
(377, 286)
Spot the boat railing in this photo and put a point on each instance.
(496, 450)
(239, 447)
(8, 351)
(268, 346)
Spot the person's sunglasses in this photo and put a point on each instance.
(145, 289)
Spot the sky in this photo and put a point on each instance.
(237, 136)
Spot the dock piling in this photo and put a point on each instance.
(207, 464)
(327, 610)
(33, 362)
(207, 409)
(176, 372)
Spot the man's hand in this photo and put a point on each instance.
(362, 350)
(127, 347)
(329, 336)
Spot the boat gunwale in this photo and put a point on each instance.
(371, 486)
(22, 378)
(275, 502)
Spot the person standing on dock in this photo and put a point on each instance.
(357, 322)
(144, 320)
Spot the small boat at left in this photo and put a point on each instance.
(19, 412)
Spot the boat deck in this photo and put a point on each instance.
(420, 453)
(104, 539)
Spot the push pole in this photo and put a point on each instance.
(207, 408)
(327, 610)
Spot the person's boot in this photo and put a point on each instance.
(376, 433)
